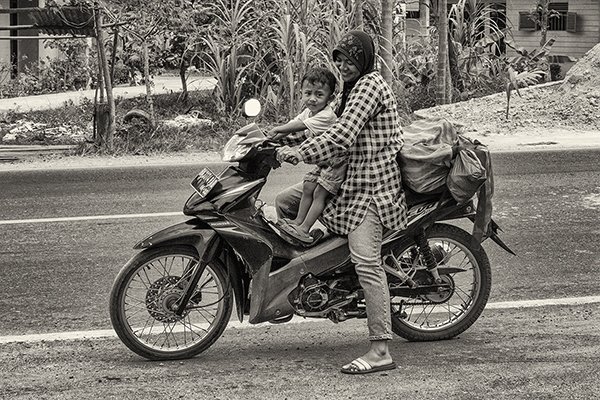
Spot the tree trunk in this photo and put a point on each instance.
(182, 70)
(449, 87)
(424, 18)
(455, 75)
(387, 12)
(106, 138)
(149, 98)
(545, 4)
(442, 76)
(113, 57)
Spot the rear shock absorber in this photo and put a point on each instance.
(428, 257)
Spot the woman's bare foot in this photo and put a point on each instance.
(378, 354)
(377, 359)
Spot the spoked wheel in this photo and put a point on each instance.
(466, 276)
(145, 295)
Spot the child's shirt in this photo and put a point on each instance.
(319, 122)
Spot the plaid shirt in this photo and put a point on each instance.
(369, 134)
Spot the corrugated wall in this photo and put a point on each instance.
(570, 44)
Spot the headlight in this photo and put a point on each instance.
(233, 151)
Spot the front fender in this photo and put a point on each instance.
(196, 233)
(192, 232)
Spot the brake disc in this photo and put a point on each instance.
(161, 297)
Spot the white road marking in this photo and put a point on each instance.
(88, 218)
(109, 333)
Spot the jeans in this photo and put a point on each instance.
(365, 252)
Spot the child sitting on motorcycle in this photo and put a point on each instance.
(318, 87)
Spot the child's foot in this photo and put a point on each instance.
(283, 221)
(296, 233)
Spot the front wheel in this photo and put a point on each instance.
(144, 296)
(464, 271)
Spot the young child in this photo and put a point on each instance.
(318, 87)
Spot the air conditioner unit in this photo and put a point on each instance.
(526, 23)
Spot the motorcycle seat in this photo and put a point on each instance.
(413, 198)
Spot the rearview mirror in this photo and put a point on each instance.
(252, 108)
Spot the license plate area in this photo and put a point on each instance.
(204, 182)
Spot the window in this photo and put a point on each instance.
(560, 19)
(558, 16)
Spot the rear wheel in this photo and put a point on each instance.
(144, 296)
(466, 273)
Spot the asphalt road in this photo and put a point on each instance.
(539, 354)
(55, 276)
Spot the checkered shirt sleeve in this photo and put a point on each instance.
(369, 135)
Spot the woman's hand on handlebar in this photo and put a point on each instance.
(288, 154)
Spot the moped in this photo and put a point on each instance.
(174, 298)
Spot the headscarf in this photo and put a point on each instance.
(358, 48)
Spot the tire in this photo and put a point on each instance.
(149, 284)
(443, 315)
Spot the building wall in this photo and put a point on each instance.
(29, 51)
(4, 44)
(574, 44)
(44, 51)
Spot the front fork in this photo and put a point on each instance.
(212, 248)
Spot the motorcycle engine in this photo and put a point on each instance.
(314, 295)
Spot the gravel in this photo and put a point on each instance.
(572, 104)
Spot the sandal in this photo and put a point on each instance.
(361, 367)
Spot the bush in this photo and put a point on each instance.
(138, 137)
(420, 96)
(71, 71)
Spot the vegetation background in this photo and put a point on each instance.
(260, 49)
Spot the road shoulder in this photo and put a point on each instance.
(519, 141)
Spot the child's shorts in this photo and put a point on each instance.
(330, 177)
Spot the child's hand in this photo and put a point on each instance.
(272, 134)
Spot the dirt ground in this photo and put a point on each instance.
(571, 104)
(536, 353)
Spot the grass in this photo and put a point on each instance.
(136, 137)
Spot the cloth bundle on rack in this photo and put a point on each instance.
(435, 157)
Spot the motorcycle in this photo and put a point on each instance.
(174, 298)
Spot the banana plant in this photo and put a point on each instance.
(526, 69)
